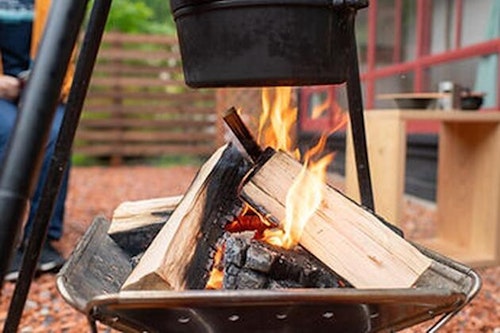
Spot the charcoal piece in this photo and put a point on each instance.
(300, 266)
(135, 259)
(286, 268)
(248, 279)
(271, 267)
(319, 278)
(229, 282)
(283, 284)
(235, 251)
(230, 274)
(229, 279)
(232, 270)
(259, 258)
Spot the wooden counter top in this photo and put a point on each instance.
(439, 115)
(467, 225)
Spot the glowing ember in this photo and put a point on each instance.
(216, 275)
(248, 221)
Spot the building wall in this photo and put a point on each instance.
(393, 37)
(412, 45)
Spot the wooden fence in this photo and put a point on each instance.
(139, 106)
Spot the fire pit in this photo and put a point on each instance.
(100, 264)
(94, 279)
(262, 43)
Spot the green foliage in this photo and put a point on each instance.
(161, 10)
(141, 16)
(84, 160)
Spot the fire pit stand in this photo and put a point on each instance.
(92, 278)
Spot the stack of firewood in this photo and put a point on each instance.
(342, 245)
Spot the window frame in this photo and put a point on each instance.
(423, 59)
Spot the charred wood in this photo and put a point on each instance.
(242, 133)
(252, 264)
(180, 256)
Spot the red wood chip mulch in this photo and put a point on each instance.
(98, 190)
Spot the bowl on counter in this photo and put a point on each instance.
(412, 101)
(471, 101)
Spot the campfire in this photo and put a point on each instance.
(253, 253)
(258, 217)
(263, 216)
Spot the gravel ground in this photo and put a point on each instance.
(98, 190)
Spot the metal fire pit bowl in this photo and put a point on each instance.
(91, 279)
(265, 42)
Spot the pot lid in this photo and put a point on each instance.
(177, 4)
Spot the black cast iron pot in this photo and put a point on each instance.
(265, 42)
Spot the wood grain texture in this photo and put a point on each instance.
(135, 214)
(468, 182)
(347, 238)
(468, 191)
(178, 256)
(386, 143)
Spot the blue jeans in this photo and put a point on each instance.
(8, 114)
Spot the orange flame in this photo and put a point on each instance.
(305, 195)
(277, 119)
(320, 109)
(303, 198)
(216, 276)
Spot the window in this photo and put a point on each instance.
(478, 17)
(414, 44)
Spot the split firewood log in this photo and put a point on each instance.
(180, 255)
(348, 238)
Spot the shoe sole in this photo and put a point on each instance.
(49, 267)
(11, 277)
(41, 269)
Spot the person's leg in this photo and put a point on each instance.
(56, 223)
(50, 259)
(8, 114)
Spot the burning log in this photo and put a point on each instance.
(349, 239)
(180, 256)
(340, 237)
(243, 135)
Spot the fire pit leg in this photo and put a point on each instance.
(355, 101)
(63, 146)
